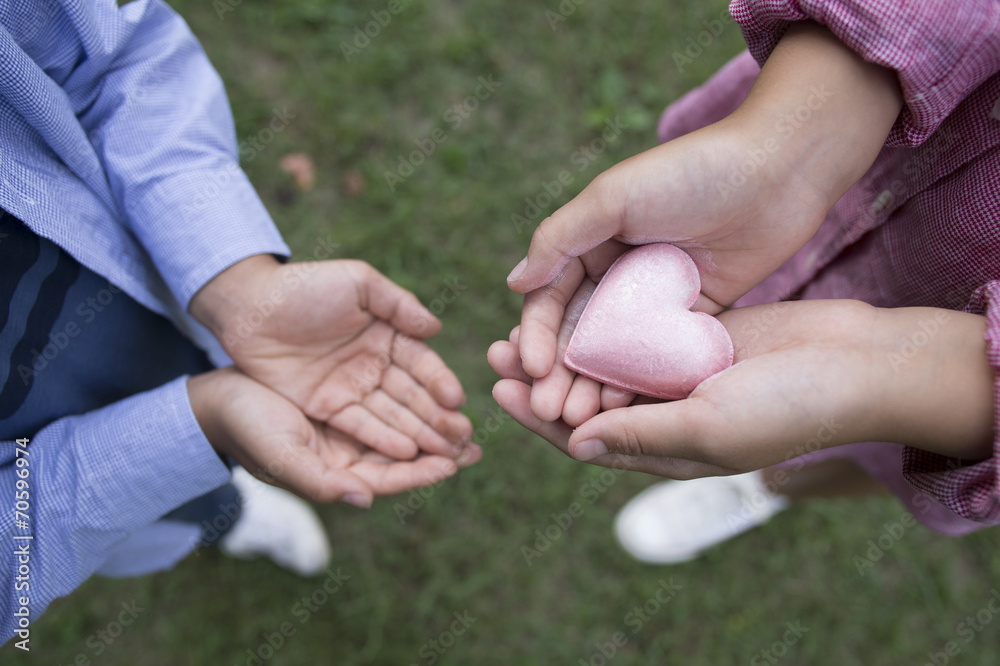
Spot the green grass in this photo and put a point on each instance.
(460, 551)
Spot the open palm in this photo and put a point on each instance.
(341, 341)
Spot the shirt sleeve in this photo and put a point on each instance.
(89, 482)
(970, 490)
(941, 51)
(158, 118)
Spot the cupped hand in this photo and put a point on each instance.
(680, 192)
(343, 343)
(562, 393)
(806, 376)
(741, 196)
(272, 439)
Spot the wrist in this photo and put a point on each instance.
(937, 386)
(227, 296)
(204, 391)
(819, 111)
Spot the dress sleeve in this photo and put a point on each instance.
(970, 490)
(91, 481)
(941, 51)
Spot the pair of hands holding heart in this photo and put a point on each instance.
(798, 364)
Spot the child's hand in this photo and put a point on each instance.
(271, 437)
(808, 375)
(738, 226)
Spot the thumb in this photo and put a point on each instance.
(675, 429)
(388, 301)
(589, 219)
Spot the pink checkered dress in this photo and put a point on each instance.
(922, 227)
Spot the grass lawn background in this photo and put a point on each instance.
(446, 230)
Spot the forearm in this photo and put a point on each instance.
(936, 384)
(92, 480)
(819, 112)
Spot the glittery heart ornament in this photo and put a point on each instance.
(638, 333)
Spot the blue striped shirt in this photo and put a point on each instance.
(117, 144)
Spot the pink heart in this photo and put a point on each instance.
(638, 332)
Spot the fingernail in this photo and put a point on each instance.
(518, 270)
(588, 449)
(357, 500)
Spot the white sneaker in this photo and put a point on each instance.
(277, 524)
(675, 521)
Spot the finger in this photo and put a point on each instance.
(505, 360)
(402, 419)
(600, 259)
(515, 334)
(304, 472)
(390, 477)
(451, 425)
(364, 425)
(613, 397)
(390, 302)
(593, 216)
(707, 305)
(553, 311)
(548, 394)
(427, 368)
(583, 401)
(513, 397)
(685, 429)
(542, 317)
